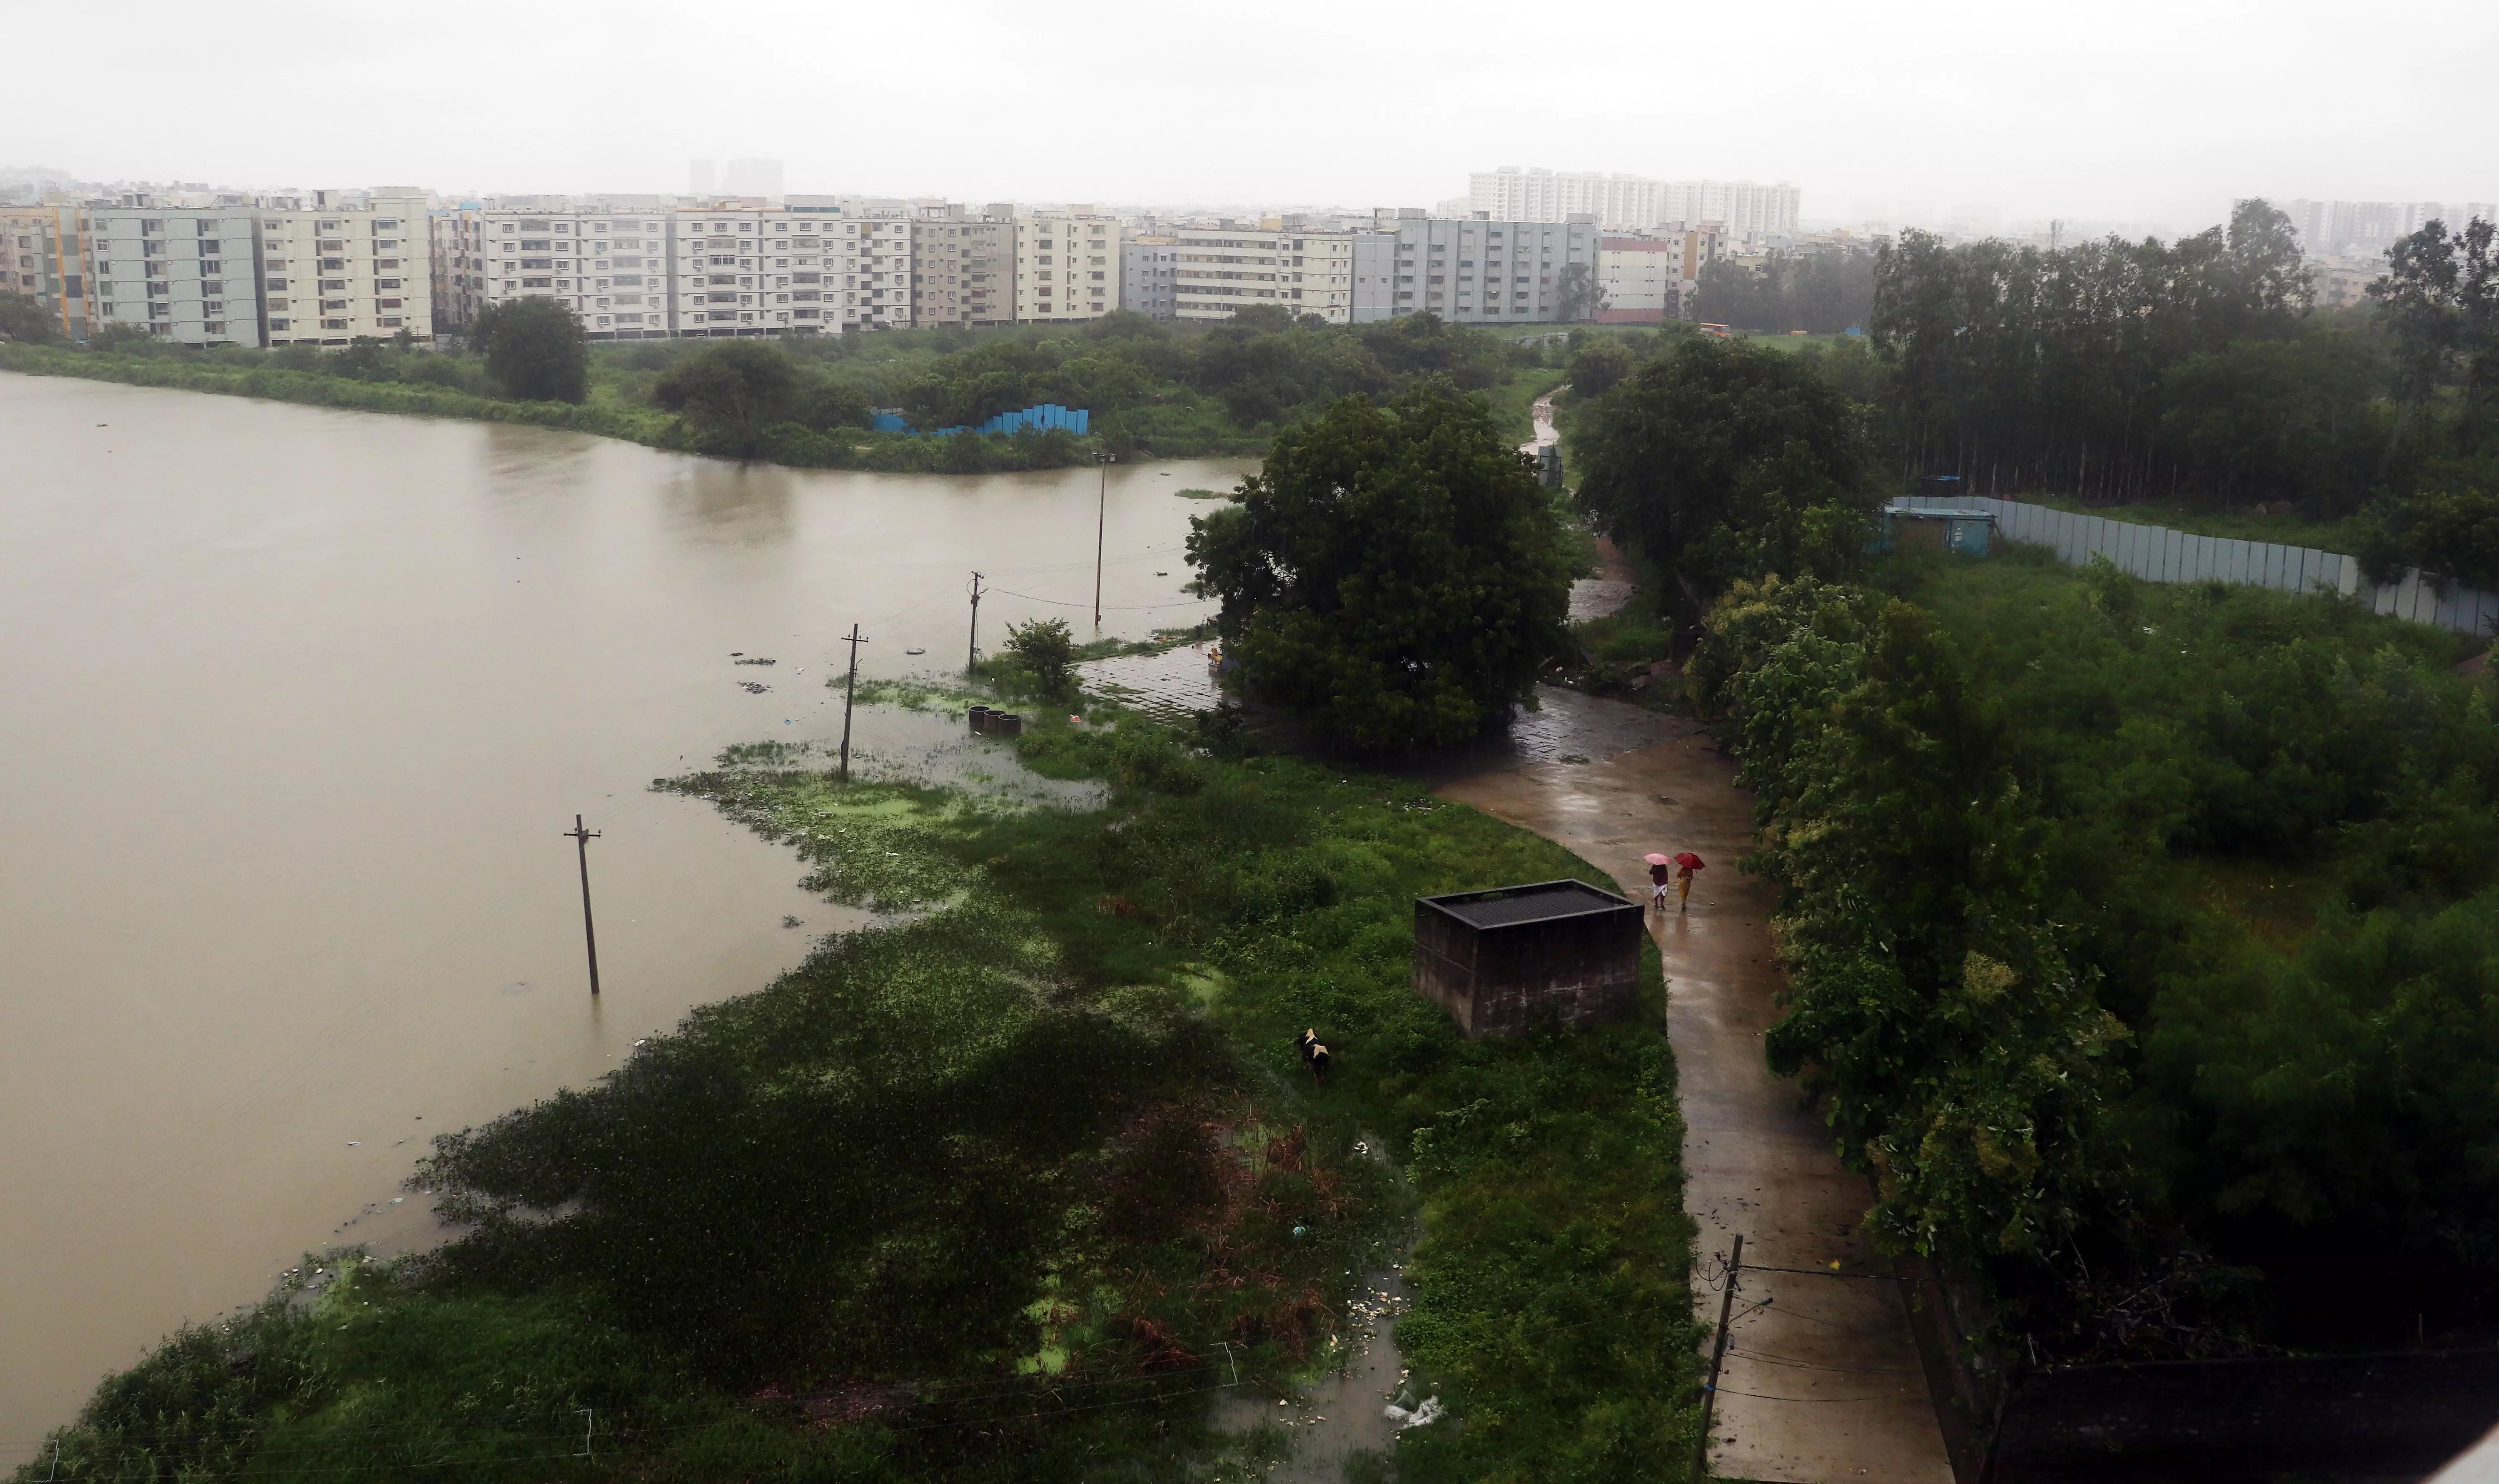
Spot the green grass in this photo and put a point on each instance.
(977, 1193)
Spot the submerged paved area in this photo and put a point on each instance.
(1822, 1380)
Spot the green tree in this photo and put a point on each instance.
(726, 395)
(1046, 652)
(1724, 461)
(1596, 367)
(535, 350)
(1577, 292)
(1394, 575)
(23, 319)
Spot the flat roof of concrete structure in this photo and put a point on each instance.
(1543, 901)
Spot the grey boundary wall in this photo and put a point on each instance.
(2159, 554)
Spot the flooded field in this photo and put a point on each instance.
(297, 706)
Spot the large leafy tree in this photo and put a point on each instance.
(23, 319)
(1724, 461)
(534, 350)
(726, 395)
(1393, 576)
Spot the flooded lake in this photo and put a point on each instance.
(294, 707)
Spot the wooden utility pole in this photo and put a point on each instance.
(581, 839)
(1101, 520)
(973, 657)
(850, 688)
(1717, 1358)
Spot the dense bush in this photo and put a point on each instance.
(1394, 575)
(1722, 461)
(2001, 815)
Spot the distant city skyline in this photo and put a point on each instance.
(2148, 112)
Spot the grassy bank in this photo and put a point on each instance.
(1008, 1186)
(1155, 390)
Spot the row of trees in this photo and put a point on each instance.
(2198, 368)
(1823, 294)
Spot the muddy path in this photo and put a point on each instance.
(1821, 1381)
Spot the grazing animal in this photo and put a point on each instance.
(1303, 1044)
(1318, 1061)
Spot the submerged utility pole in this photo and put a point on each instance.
(581, 839)
(850, 688)
(973, 657)
(1717, 1358)
(1101, 518)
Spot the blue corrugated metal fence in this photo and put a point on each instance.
(1040, 419)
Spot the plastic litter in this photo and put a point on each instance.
(1428, 1412)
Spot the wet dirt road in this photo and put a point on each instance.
(1821, 1381)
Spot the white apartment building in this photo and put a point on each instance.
(1477, 271)
(1220, 271)
(1618, 203)
(187, 275)
(1751, 212)
(2368, 228)
(43, 256)
(611, 269)
(1650, 278)
(337, 268)
(456, 253)
(1066, 266)
(864, 249)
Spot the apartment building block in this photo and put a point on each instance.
(1649, 277)
(1148, 269)
(187, 275)
(1752, 214)
(456, 243)
(1220, 271)
(340, 268)
(43, 256)
(1474, 270)
(611, 269)
(1066, 266)
(963, 266)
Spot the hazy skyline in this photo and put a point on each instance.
(2153, 112)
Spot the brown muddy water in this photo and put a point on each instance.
(294, 705)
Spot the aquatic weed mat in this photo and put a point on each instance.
(1021, 1178)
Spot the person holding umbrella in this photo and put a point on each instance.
(1687, 865)
(1661, 870)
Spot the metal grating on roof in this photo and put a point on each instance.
(1510, 906)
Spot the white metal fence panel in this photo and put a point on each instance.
(2159, 554)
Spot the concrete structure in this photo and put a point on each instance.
(1315, 274)
(342, 267)
(187, 275)
(1066, 266)
(611, 269)
(1149, 275)
(1220, 271)
(1649, 277)
(43, 256)
(1476, 272)
(1496, 960)
(457, 263)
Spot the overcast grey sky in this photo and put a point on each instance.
(2147, 109)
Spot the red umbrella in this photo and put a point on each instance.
(1654, 859)
(1690, 862)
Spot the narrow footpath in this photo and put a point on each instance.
(1821, 1381)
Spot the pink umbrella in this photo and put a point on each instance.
(1654, 859)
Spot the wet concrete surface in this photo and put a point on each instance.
(1822, 1380)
